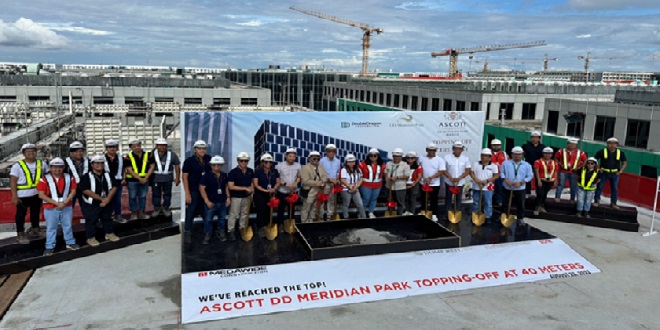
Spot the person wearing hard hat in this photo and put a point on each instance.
(517, 174)
(167, 169)
(397, 173)
(458, 168)
(24, 177)
(241, 190)
(139, 166)
(372, 168)
(412, 183)
(114, 164)
(289, 171)
(215, 193)
(194, 168)
(499, 157)
(587, 184)
(58, 190)
(266, 181)
(613, 162)
(571, 160)
(77, 165)
(332, 165)
(350, 177)
(98, 191)
(533, 151)
(484, 173)
(545, 172)
(433, 167)
(313, 177)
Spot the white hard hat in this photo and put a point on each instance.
(98, 159)
(431, 146)
(76, 145)
(111, 143)
(573, 140)
(592, 159)
(217, 160)
(536, 133)
(161, 141)
(458, 144)
(200, 144)
(496, 142)
(411, 154)
(374, 151)
(134, 142)
(266, 158)
(397, 152)
(314, 153)
(28, 146)
(57, 161)
(242, 156)
(350, 158)
(548, 149)
(330, 146)
(517, 150)
(612, 139)
(290, 150)
(486, 151)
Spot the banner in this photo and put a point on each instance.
(220, 294)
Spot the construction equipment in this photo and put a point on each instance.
(246, 232)
(587, 61)
(479, 217)
(366, 36)
(507, 218)
(453, 53)
(545, 60)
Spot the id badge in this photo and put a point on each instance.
(268, 187)
(60, 200)
(219, 191)
(103, 194)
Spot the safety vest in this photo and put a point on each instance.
(52, 186)
(92, 186)
(143, 171)
(590, 185)
(372, 176)
(30, 181)
(73, 169)
(564, 163)
(550, 175)
(120, 166)
(618, 158)
(160, 169)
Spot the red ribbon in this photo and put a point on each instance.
(391, 204)
(455, 190)
(426, 188)
(337, 189)
(273, 203)
(292, 199)
(321, 198)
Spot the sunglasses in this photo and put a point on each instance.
(315, 158)
(243, 161)
(216, 164)
(373, 155)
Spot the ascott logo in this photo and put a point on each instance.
(345, 124)
(235, 272)
(453, 120)
(453, 116)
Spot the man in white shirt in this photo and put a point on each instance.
(396, 173)
(433, 168)
(458, 168)
(332, 165)
(24, 177)
(484, 173)
(289, 171)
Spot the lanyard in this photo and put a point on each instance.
(218, 179)
(202, 163)
(515, 169)
(394, 170)
(318, 176)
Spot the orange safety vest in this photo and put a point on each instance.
(548, 176)
(565, 164)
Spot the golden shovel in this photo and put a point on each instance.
(289, 224)
(390, 212)
(454, 215)
(426, 212)
(508, 219)
(478, 218)
(271, 228)
(246, 232)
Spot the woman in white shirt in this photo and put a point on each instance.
(351, 178)
(484, 174)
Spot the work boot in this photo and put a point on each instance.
(111, 237)
(232, 236)
(187, 237)
(586, 215)
(93, 242)
(142, 215)
(167, 212)
(22, 238)
(120, 219)
(134, 215)
(578, 214)
(537, 210)
(596, 203)
(37, 233)
(542, 209)
(72, 247)
(372, 215)
(207, 238)
(221, 235)
(48, 252)
(614, 206)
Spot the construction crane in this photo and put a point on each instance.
(545, 60)
(366, 36)
(453, 53)
(587, 61)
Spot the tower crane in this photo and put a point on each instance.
(453, 53)
(545, 60)
(366, 35)
(587, 61)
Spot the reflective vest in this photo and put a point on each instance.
(92, 186)
(143, 171)
(30, 181)
(618, 158)
(548, 176)
(590, 185)
(565, 164)
(52, 186)
(160, 169)
(120, 167)
(73, 169)
(371, 175)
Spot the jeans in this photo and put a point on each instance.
(411, 198)
(499, 191)
(542, 192)
(369, 197)
(614, 186)
(572, 179)
(163, 189)
(53, 217)
(486, 201)
(137, 196)
(33, 203)
(219, 209)
(116, 199)
(449, 205)
(357, 200)
(518, 202)
(584, 199)
(94, 213)
(195, 200)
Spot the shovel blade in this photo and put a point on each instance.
(508, 219)
(289, 226)
(390, 213)
(336, 217)
(271, 231)
(247, 233)
(478, 218)
(428, 214)
(455, 216)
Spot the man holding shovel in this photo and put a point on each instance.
(516, 174)
(458, 168)
(484, 173)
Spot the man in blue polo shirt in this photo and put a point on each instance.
(517, 174)
(241, 189)
(193, 169)
(214, 192)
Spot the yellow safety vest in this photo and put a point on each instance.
(29, 182)
(143, 172)
(548, 176)
(618, 158)
(590, 184)
(565, 165)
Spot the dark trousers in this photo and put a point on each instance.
(263, 211)
(518, 202)
(284, 207)
(94, 213)
(498, 196)
(163, 189)
(449, 205)
(33, 204)
(192, 208)
(116, 199)
(542, 192)
(433, 200)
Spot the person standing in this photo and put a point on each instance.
(241, 190)
(372, 169)
(433, 167)
(412, 184)
(458, 168)
(533, 151)
(312, 177)
(194, 168)
(98, 191)
(114, 164)
(613, 162)
(545, 172)
(587, 185)
(484, 173)
(332, 165)
(139, 168)
(571, 160)
(350, 177)
(499, 157)
(289, 171)
(77, 165)
(166, 170)
(517, 174)
(397, 173)
(57, 190)
(266, 181)
(215, 193)
(24, 177)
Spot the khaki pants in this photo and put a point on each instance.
(330, 204)
(308, 213)
(238, 208)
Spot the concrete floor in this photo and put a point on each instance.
(138, 287)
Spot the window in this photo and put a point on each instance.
(460, 105)
(435, 104)
(194, 100)
(396, 101)
(134, 100)
(506, 109)
(405, 102)
(508, 143)
(369, 96)
(389, 100)
(8, 98)
(414, 103)
(604, 128)
(381, 98)
(553, 122)
(649, 171)
(164, 99)
(474, 106)
(103, 100)
(221, 101)
(248, 101)
(488, 111)
(638, 133)
(425, 103)
(35, 98)
(491, 137)
(75, 99)
(528, 111)
(361, 96)
(446, 104)
(573, 129)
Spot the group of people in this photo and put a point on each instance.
(94, 183)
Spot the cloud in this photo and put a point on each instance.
(251, 23)
(583, 36)
(611, 4)
(75, 29)
(29, 34)
(421, 5)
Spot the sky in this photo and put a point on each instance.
(620, 35)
